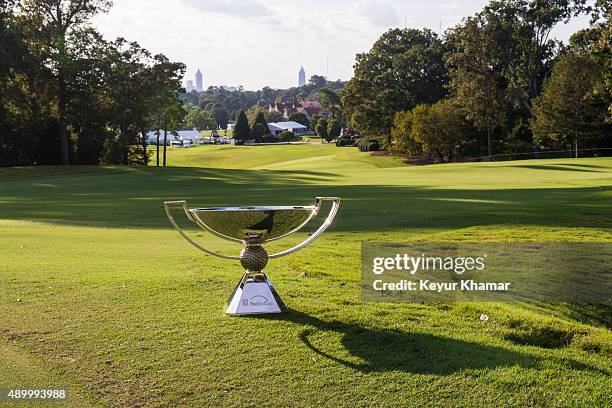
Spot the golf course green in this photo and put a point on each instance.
(99, 295)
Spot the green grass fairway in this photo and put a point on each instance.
(99, 294)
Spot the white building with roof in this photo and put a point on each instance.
(277, 127)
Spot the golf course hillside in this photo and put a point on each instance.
(99, 295)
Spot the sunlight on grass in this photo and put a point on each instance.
(98, 291)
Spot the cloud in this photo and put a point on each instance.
(238, 8)
(378, 13)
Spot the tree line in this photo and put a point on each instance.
(495, 83)
(254, 126)
(68, 96)
(215, 107)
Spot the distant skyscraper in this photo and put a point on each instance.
(302, 77)
(189, 86)
(199, 82)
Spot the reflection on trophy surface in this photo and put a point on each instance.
(254, 226)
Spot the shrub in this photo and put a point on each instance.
(345, 142)
(369, 146)
(241, 129)
(112, 152)
(333, 130)
(287, 136)
(321, 128)
(267, 139)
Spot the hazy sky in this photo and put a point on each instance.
(255, 43)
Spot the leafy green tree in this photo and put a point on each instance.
(270, 116)
(59, 18)
(241, 129)
(128, 90)
(321, 128)
(64, 79)
(220, 115)
(439, 129)
(200, 119)
(252, 113)
(333, 130)
(250, 101)
(125, 64)
(520, 139)
(300, 118)
(259, 128)
(500, 57)
(165, 105)
(317, 81)
(85, 86)
(403, 68)
(273, 116)
(314, 119)
(159, 86)
(260, 118)
(478, 85)
(401, 134)
(330, 101)
(523, 50)
(573, 107)
(173, 113)
(596, 42)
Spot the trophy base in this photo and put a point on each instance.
(254, 294)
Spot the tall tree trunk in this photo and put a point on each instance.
(61, 85)
(576, 145)
(125, 146)
(157, 146)
(145, 154)
(165, 141)
(489, 143)
(61, 101)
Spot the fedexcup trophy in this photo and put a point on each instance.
(254, 226)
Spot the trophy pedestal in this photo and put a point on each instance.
(254, 294)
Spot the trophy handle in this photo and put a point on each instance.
(330, 217)
(183, 204)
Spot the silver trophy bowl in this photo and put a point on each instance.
(253, 226)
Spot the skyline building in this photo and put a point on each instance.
(199, 81)
(189, 87)
(302, 77)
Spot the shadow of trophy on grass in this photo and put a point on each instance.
(378, 350)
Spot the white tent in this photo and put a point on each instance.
(274, 130)
(178, 137)
(278, 127)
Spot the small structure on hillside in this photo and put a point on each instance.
(309, 108)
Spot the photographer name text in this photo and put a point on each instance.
(427, 285)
